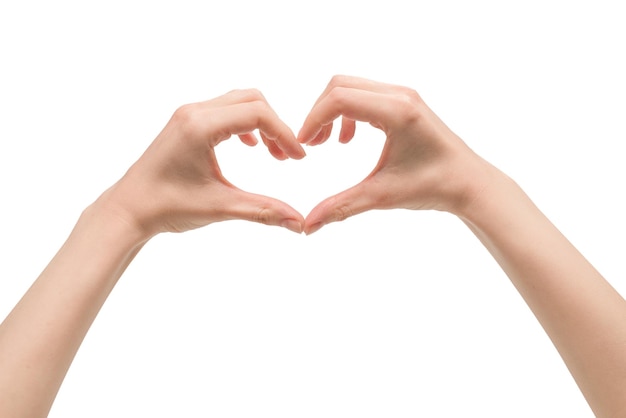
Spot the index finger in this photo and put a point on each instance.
(377, 108)
(360, 84)
(243, 118)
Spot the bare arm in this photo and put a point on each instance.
(175, 186)
(581, 312)
(424, 165)
(39, 338)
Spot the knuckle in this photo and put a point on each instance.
(184, 113)
(337, 95)
(186, 118)
(258, 107)
(250, 95)
(260, 112)
(341, 213)
(337, 80)
(264, 216)
(408, 109)
(410, 93)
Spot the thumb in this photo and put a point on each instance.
(265, 210)
(350, 202)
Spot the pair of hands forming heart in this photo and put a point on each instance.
(177, 184)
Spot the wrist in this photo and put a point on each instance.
(492, 200)
(111, 218)
(473, 186)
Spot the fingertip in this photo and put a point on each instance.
(348, 128)
(305, 137)
(301, 138)
(320, 138)
(310, 229)
(292, 225)
(317, 218)
(292, 148)
(299, 154)
(283, 147)
(249, 139)
(275, 150)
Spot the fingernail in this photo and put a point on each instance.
(292, 225)
(300, 138)
(301, 154)
(314, 228)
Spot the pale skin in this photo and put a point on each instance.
(176, 185)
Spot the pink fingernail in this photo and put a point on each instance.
(292, 225)
(313, 228)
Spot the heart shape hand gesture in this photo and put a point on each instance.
(177, 184)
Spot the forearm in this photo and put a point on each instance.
(582, 314)
(176, 185)
(40, 337)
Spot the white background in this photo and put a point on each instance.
(390, 313)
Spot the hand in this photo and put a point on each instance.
(177, 184)
(423, 165)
